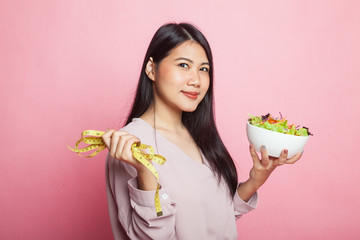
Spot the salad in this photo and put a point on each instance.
(278, 125)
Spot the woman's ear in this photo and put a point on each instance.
(150, 69)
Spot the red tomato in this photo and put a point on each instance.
(272, 121)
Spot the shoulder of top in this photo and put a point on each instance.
(137, 127)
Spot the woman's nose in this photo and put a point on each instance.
(194, 79)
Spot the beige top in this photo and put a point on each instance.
(194, 205)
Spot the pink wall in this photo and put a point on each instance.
(67, 66)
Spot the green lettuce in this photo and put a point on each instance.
(277, 125)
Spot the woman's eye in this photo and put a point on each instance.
(184, 65)
(204, 69)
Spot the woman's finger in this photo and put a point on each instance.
(115, 138)
(127, 152)
(107, 137)
(254, 155)
(264, 156)
(282, 158)
(122, 150)
(294, 158)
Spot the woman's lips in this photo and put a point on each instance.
(191, 95)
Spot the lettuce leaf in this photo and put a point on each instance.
(278, 125)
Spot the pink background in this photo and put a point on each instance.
(67, 66)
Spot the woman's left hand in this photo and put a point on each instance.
(262, 168)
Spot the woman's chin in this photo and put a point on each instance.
(189, 109)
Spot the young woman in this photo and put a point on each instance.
(173, 112)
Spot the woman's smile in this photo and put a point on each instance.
(190, 94)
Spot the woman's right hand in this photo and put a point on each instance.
(119, 144)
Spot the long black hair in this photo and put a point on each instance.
(200, 123)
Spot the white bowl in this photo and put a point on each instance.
(274, 142)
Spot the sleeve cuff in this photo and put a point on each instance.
(146, 198)
(243, 207)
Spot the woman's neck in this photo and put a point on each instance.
(167, 120)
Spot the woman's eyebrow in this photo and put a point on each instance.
(189, 60)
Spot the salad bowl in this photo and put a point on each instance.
(274, 141)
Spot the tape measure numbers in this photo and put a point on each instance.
(93, 138)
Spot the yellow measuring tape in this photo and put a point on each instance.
(96, 142)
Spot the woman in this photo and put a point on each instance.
(173, 112)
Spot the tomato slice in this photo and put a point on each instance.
(272, 121)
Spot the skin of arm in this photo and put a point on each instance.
(146, 180)
(261, 170)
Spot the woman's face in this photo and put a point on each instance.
(181, 79)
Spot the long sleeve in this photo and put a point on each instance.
(132, 212)
(241, 207)
(145, 224)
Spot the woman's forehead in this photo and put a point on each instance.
(189, 49)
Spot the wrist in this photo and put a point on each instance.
(146, 180)
(246, 189)
(253, 184)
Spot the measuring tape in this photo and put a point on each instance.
(96, 142)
